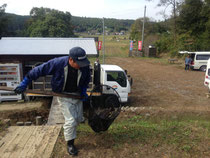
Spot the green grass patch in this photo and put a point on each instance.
(184, 134)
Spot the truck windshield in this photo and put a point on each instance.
(117, 76)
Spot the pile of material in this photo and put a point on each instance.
(103, 109)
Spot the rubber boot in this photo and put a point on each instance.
(72, 150)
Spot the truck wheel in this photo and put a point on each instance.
(112, 101)
(203, 68)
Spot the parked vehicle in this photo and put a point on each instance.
(199, 59)
(207, 76)
(114, 77)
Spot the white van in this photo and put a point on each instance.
(199, 59)
(207, 76)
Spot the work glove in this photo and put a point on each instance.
(22, 86)
(84, 94)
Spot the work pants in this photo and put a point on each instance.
(187, 66)
(72, 110)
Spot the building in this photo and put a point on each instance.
(22, 54)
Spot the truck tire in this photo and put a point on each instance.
(112, 101)
(203, 68)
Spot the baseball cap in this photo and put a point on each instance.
(79, 56)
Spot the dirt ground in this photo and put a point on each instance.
(157, 86)
(166, 86)
(160, 88)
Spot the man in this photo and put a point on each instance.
(187, 62)
(71, 74)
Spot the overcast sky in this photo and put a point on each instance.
(119, 9)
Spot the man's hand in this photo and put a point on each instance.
(22, 87)
(83, 94)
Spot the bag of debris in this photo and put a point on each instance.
(103, 109)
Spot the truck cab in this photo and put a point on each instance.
(112, 80)
(115, 77)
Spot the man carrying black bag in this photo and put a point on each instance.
(71, 74)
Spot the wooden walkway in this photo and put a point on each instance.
(29, 141)
(55, 116)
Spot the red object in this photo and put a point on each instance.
(192, 63)
(99, 45)
(140, 45)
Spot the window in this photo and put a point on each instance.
(208, 72)
(202, 57)
(117, 76)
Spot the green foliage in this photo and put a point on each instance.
(47, 22)
(17, 23)
(150, 28)
(163, 44)
(193, 29)
(190, 17)
(166, 45)
(3, 21)
(84, 24)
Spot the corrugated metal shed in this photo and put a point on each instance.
(44, 46)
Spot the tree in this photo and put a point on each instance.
(204, 37)
(3, 20)
(175, 5)
(150, 28)
(190, 18)
(47, 22)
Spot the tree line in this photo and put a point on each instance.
(187, 29)
(46, 22)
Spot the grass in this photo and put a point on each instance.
(184, 135)
(115, 46)
(118, 46)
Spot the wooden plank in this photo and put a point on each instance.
(29, 142)
(55, 115)
(13, 145)
(41, 134)
(46, 139)
(22, 142)
(7, 140)
(50, 146)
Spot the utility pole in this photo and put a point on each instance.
(103, 43)
(142, 38)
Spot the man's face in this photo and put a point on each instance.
(73, 63)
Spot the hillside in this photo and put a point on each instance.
(84, 24)
(80, 24)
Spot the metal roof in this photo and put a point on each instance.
(44, 46)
